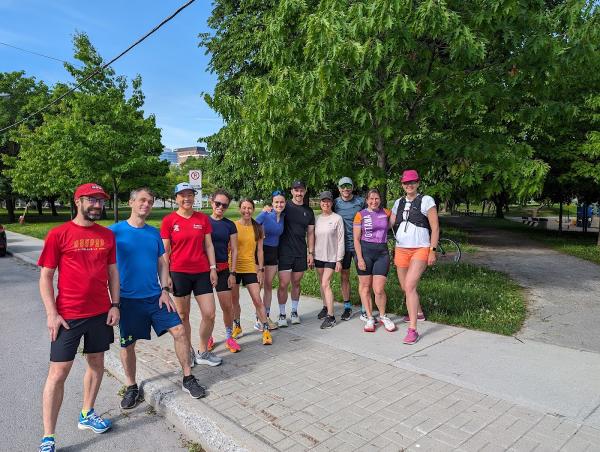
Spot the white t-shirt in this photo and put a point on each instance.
(408, 235)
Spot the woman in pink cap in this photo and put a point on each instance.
(416, 227)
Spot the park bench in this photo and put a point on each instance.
(541, 223)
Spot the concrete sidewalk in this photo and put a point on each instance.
(343, 389)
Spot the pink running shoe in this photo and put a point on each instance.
(411, 337)
(232, 345)
(420, 317)
(369, 325)
(211, 344)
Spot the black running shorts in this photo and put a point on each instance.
(271, 255)
(347, 261)
(376, 257)
(222, 282)
(246, 278)
(323, 264)
(186, 283)
(97, 337)
(294, 264)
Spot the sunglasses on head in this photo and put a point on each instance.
(277, 193)
(346, 186)
(221, 204)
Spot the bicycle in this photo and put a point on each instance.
(447, 252)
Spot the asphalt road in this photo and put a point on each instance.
(24, 356)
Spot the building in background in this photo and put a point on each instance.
(193, 151)
(169, 156)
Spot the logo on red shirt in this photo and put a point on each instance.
(88, 244)
(175, 228)
(197, 226)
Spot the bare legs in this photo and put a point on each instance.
(325, 275)
(409, 279)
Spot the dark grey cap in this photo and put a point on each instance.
(325, 195)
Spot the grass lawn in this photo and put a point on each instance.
(530, 210)
(461, 295)
(574, 243)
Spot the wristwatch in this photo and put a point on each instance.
(262, 269)
(213, 267)
(233, 273)
(433, 248)
(115, 305)
(167, 289)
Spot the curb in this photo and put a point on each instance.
(194, 418)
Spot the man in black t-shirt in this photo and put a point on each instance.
(299, 223)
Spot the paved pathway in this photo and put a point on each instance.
(564, 291)
(342, 389)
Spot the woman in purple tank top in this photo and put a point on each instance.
(372, 258)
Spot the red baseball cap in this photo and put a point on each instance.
(90, 189)
(410, 175)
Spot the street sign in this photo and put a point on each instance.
(195, 179)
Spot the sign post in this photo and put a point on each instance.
(195, 179)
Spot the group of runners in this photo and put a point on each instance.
(151, 275)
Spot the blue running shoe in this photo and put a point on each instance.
(47, 445)
(94, 422)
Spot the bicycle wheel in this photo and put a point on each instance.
(448, 251)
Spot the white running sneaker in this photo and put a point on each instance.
(282, 321)
(387, 323)
(369, 326)
(258, 326)
(295, 318)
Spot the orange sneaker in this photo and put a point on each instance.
(232, 345)
(267, 339)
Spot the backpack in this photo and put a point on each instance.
(415, 216)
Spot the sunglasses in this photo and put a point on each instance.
(346, 186)
(221, 204)
(277, 193)
(410, 182)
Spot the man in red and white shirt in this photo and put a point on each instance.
(85, 255)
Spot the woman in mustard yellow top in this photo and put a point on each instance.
(250, 245)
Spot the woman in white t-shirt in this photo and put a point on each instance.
(417, 233)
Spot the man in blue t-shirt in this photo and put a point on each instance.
(346, 206)
(145, 303)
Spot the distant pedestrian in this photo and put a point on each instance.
(224, 236)
(190, 252)
(329, 253)
(272, 223)
(144, 302)
(85, 255)
(416, 227)
(250, 250)
(372, 258)
(347, 205)
(298, 232)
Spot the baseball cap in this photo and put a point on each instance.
(325, 195)
(90, 189)
(410, 175)
(298, 184)
(345, 180)
(183, 186)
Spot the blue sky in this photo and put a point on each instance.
(172, 66)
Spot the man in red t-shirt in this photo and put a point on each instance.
(85, 255)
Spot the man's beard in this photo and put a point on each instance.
(92, 214)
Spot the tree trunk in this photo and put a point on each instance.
(73, 209)
(382, 164)
(115, 202)
(52, 202)
(38, 203)
(482, 208)
(560, 216)
(584, 219)
(10, 209)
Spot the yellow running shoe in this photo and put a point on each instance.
(272, 325)
(267, 339)
(237, 332)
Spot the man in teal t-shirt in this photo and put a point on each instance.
(144, 302)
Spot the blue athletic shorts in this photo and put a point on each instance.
(139, 314)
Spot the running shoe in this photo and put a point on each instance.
(208, 358)
(211, 344)
(295, 318)
(329, 322)
(131, 398)
(347, 314)
(420, 317)
(47, 445)
(272, 325)
(282, 321)
(258, 326)
(364, 318)
(236, 333)
(192, 358)
(322, 313)
(192, 387)
(370, 325)
(411, 337)
(232, 345)
(387, 323)
(267, 339)
(93, 422)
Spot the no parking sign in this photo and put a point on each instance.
(195, 179)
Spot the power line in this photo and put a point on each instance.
(101, 68)
(32, 52)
